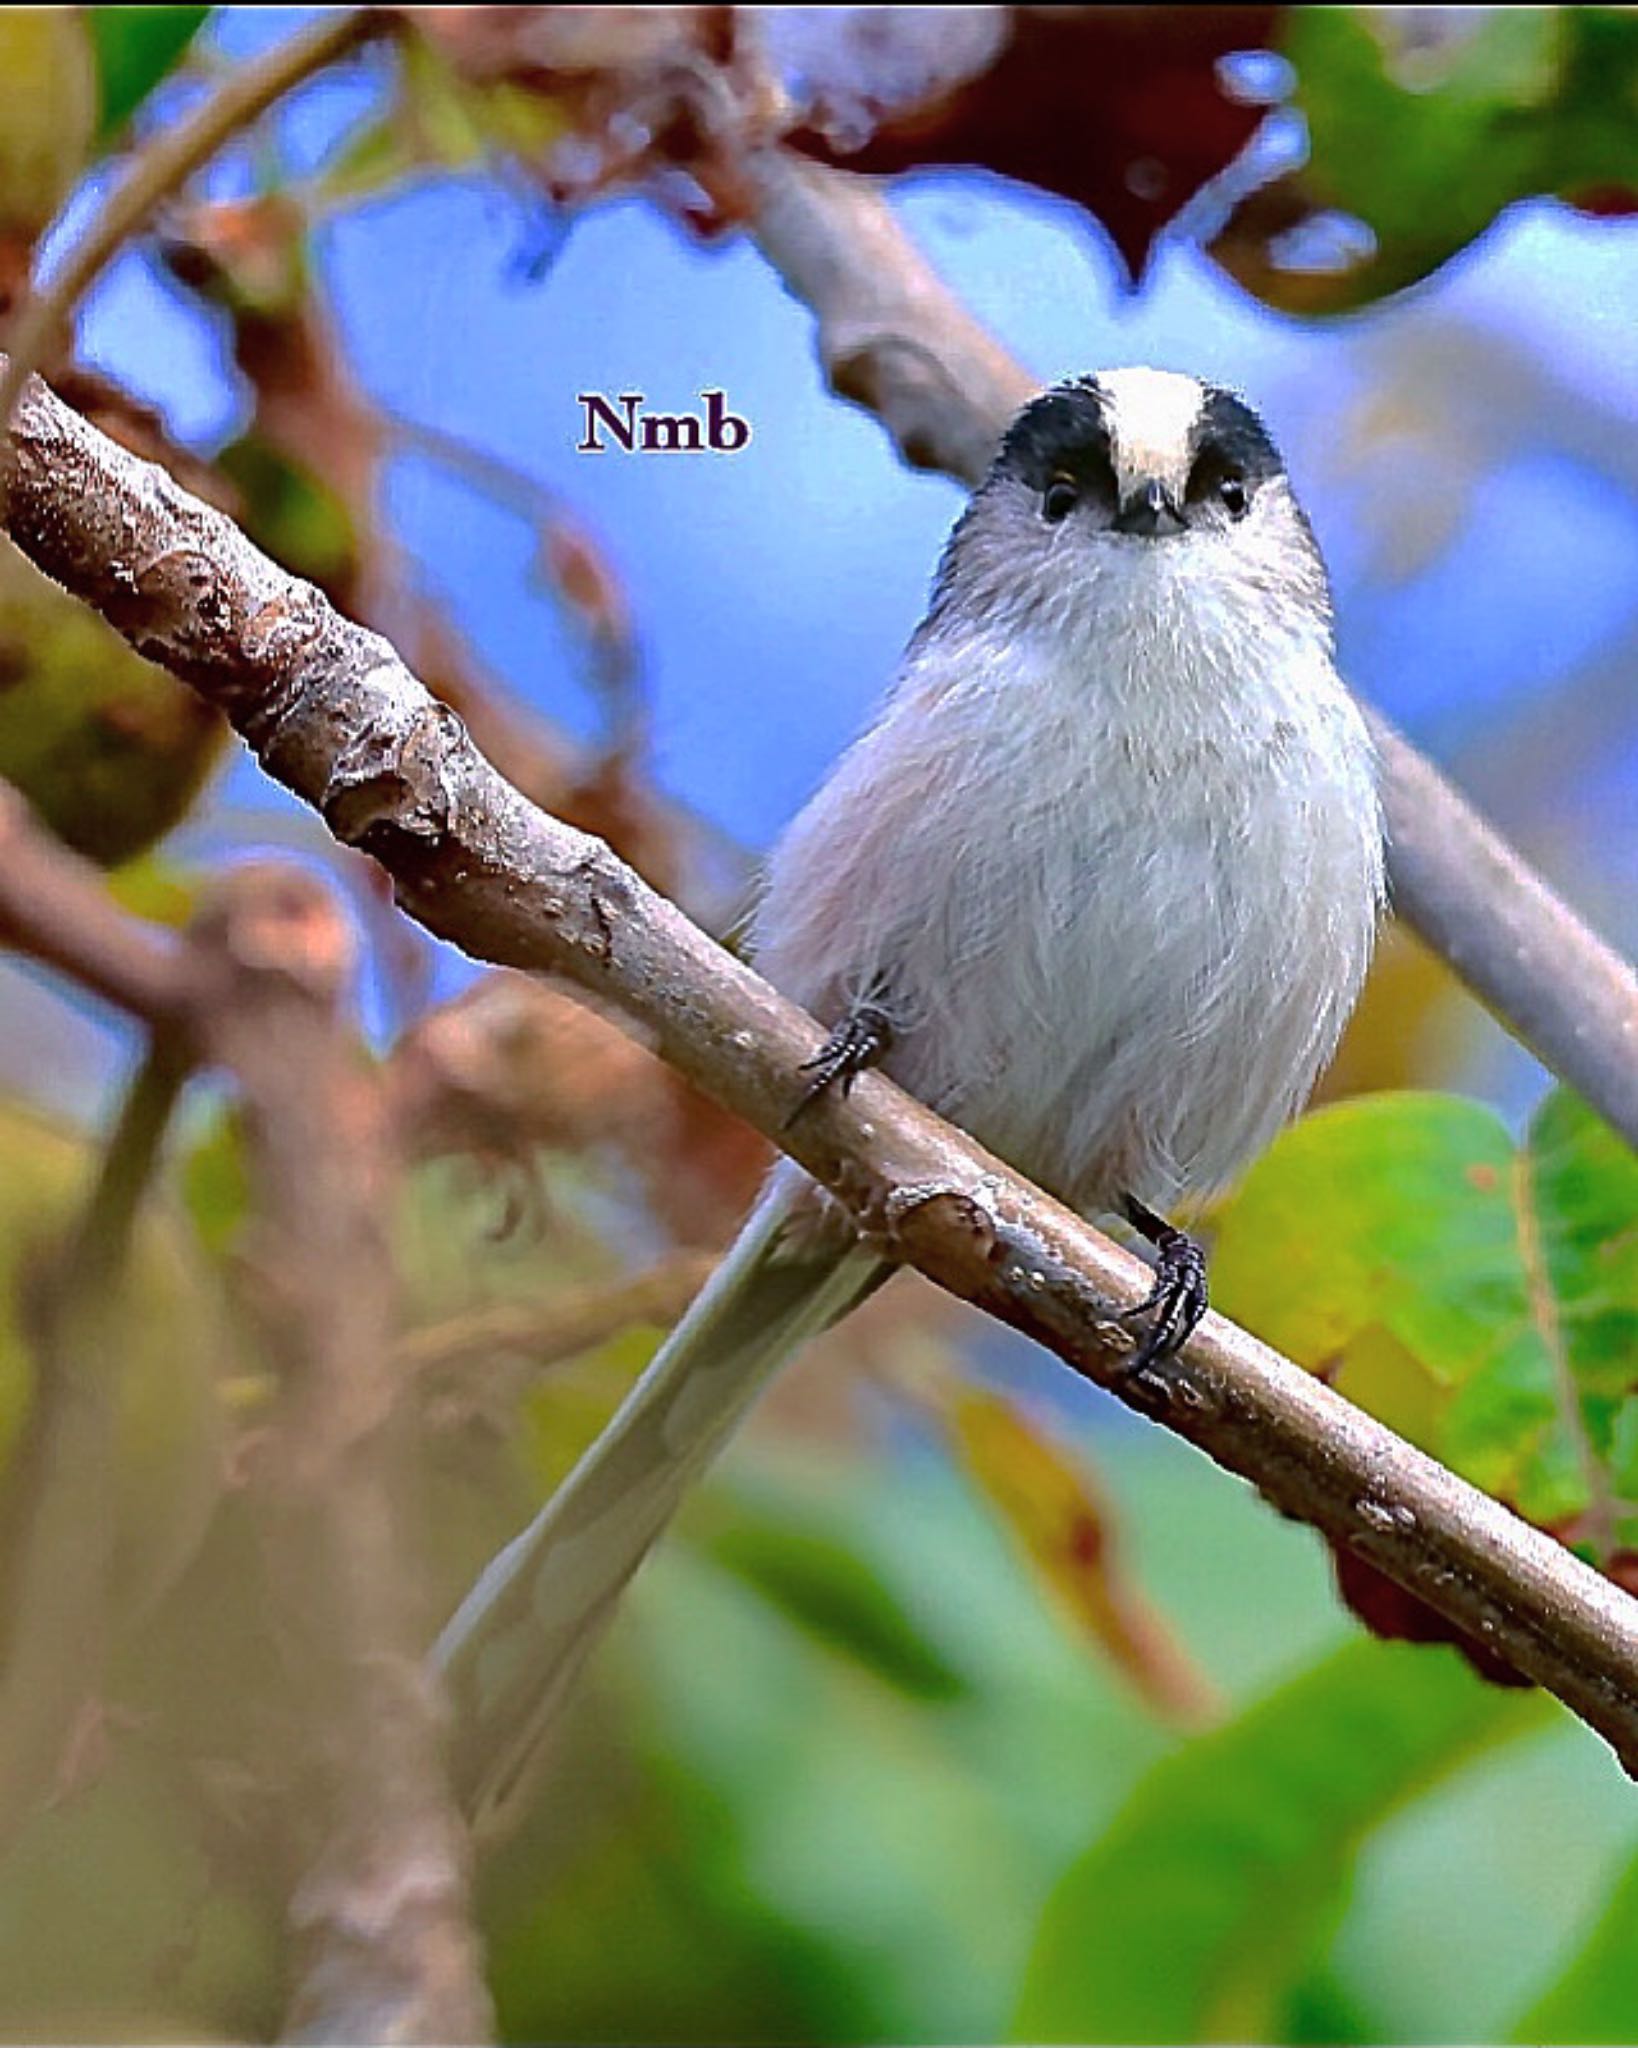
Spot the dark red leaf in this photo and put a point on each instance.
(1118, 108)
(1606, 202)
(1388, 1611)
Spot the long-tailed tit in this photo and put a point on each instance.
(1099, 885)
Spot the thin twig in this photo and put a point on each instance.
(55, 909)
(381, 1935)
(893, 337)
(158, 169)
(333, 713)
(564, 1325)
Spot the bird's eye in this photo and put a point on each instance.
(1217, 478)
(1059, 500)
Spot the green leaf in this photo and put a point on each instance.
(1479, 1296)
(296, 516)
(1425, 164)
(155, 889)
(135, 48)
(1592, 155)
(440, 121)
(1200, 1912)
(1423, 127)
(830, 1591)
(1596, 1999)
(47, 108)
(214, 1183)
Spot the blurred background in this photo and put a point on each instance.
(962, 1703)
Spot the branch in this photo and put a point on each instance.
(382, 1944)
(55, 910)
(335, 716)
(893, 337)
(566, 1325)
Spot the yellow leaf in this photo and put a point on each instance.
(1057, 1517)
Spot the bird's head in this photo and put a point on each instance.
(1138, 482)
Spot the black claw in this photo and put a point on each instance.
(1177, 1300)
(861, 1040)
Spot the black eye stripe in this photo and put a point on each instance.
(1061, 435)
(1230, 440)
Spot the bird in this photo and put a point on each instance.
(1099, 884)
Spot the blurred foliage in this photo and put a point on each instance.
(170, 1424)
(1126, 112)
(1597, 1995)
(1063, 1524)
(1421, 124)
(110, 750)
(842, 1819)
(950, 1726)
(47, 113)
(290, 511)
(1232, 1859)
(439, 121)
(135, 48)
(820, 1581)
(1413, 1026)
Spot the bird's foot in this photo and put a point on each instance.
(1177, 1300)
(861, 1040)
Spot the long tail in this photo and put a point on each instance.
(512, 1650)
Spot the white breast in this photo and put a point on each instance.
(1118, 884)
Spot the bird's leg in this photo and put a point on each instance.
(1177, 1300)
(862, 1039)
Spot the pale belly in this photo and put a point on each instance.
(1121, 966)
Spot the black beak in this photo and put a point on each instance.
(1151, 512)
